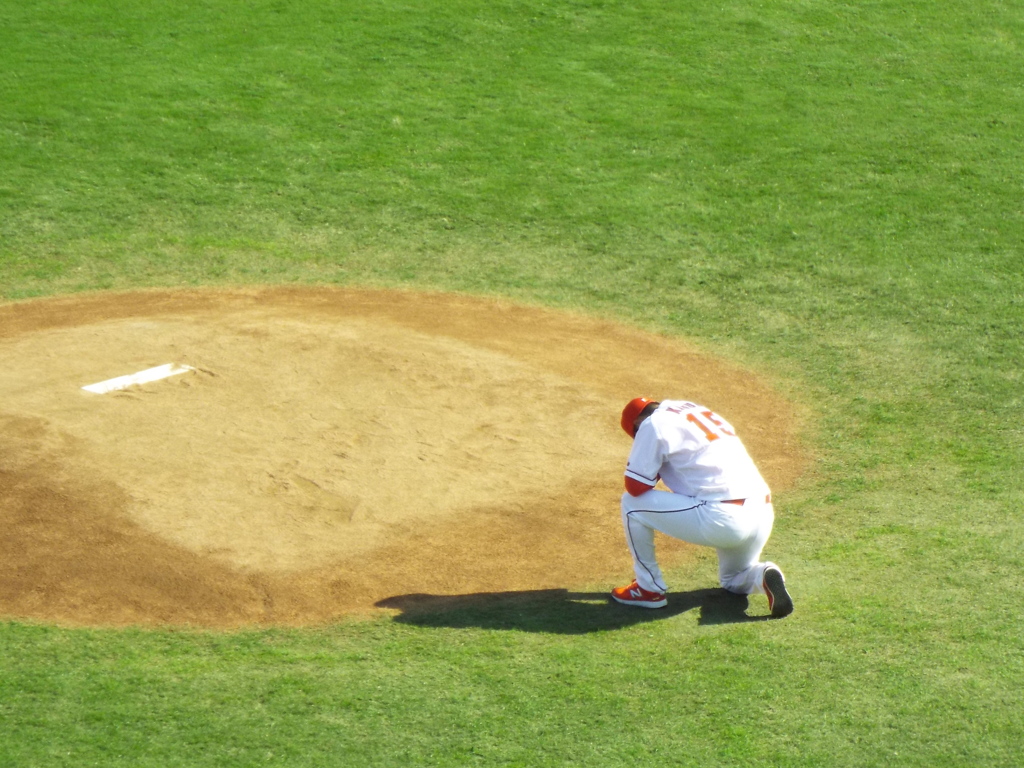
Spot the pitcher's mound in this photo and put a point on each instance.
(324, 450)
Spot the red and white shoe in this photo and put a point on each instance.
(636, 595)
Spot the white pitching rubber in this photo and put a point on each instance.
(142, 377)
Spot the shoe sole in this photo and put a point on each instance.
(642, 603)
(778, 596)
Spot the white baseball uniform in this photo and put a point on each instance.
(697, 454)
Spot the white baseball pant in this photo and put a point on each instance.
(737, 532)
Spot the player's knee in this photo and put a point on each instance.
(629, 503)
(741, 581)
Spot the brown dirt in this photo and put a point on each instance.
(332, 449)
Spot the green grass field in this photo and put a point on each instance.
(830, 194)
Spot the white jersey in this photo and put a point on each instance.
(695, 452)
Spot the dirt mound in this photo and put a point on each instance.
(327, 449)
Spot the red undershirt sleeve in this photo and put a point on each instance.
(635, 488)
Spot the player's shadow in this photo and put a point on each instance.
(560, 611)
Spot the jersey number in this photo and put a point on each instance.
(710, 424)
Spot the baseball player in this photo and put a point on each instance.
(716, 498)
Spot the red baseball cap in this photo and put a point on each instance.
(633, 409)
